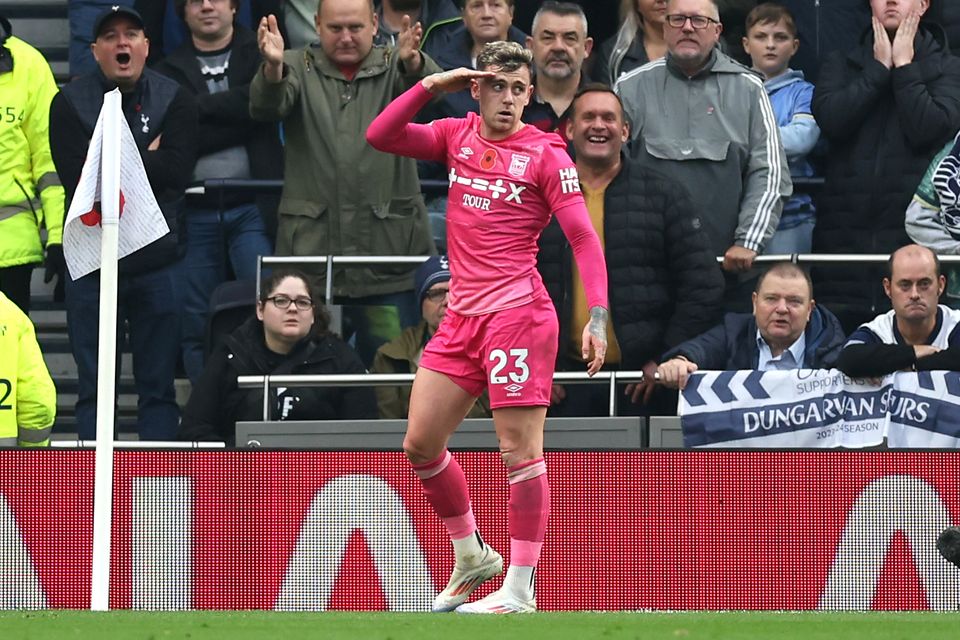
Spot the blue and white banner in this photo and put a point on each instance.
(820, 408)
(925, 410)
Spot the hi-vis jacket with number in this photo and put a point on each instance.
(28, 399)
(30, 191)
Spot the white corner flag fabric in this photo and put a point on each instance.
(141, 221)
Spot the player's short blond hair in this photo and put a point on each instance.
(506, 56)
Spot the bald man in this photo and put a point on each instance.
(918, 333)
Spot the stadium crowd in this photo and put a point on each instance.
(699, 129)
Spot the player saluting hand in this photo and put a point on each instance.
(500, 331)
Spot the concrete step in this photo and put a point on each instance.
(14, 9)
(50, 35)
(45, 25)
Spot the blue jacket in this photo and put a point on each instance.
(732, 345)
(790, 96)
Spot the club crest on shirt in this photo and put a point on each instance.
(518, 164)
(488, 159)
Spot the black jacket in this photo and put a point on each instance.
(167, 31)
(216, 403)
(732, 345)
(946, 13)
(883, 127)
(225, 117)
(664, 283)
(606, 69)
(156, 106)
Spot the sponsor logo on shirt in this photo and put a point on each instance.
(495, 188)
(518, 164)
(569, 180)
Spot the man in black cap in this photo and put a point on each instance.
(163, 120)
(402, 354)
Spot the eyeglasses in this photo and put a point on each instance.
(283, 302)
(436, 295)
(677, 20)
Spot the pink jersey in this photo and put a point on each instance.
(501, 195)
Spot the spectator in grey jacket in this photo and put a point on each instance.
(733, 164)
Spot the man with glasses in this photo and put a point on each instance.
(402, 355)
(705, 119)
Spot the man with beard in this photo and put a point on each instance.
(917, 334)
(560, 45)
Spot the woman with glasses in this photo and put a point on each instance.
(288, 335)
(638, 41)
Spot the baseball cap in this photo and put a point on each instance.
(435, 269)
(113, 12)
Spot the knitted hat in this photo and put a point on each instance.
(435, 269)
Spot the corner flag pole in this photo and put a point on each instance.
(107, 356)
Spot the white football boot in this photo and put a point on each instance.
(469, 572)
(503, 600)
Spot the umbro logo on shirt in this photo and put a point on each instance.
(465, 153)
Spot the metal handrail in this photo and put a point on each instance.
(333, 260)
(429, 186)
(796, 258)
(138, 444)
(839, 258)
(386, 379)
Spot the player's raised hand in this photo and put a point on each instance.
(271, 45)
(408, 45)
(453, 80)
(594, 341)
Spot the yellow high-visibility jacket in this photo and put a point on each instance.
(30, 193)
(28, 398)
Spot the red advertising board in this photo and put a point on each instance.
(350, 530)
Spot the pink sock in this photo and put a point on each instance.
(529, 509)
(445, 487)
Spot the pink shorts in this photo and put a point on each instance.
(511, 353)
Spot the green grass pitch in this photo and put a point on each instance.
(242, 625)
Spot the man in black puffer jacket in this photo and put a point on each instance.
(886, 108)
(665, 285)
(946, 13)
